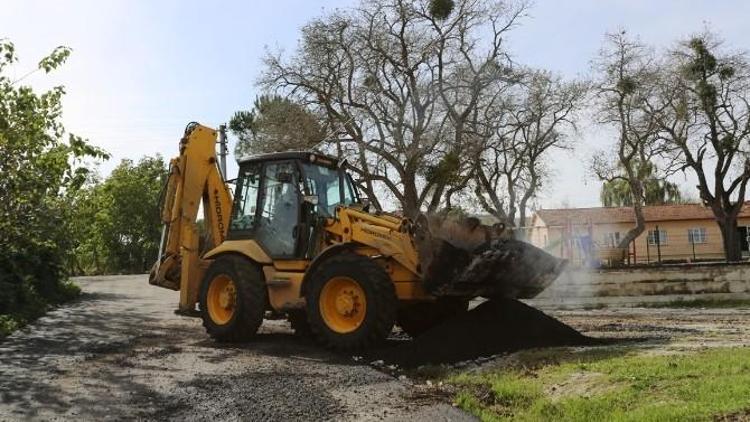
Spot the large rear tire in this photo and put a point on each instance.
(351, 303)
(232, 299)
(417, 318)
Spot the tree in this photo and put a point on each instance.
(625, 81)
(88, 250)
(523, 129)
(656, 191)
(704, 116)
(115, 225)
(41, 168)
(128, 222)
(275, 124)
(397, 81)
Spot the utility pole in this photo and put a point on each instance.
(223, 150)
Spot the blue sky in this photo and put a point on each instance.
(141, 69)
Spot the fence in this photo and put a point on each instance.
(655, 246)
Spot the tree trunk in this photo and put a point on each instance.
(410, 203)
(640, 226)
(730, 238)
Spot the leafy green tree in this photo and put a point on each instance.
(41, 169)
(116, 226)
(275, 124)
(88, 208)
(127, 223)
(656, 191)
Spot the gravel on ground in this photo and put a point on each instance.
(121, 353)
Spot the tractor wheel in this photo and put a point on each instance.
(232, 299)
(351, 303)
(417, 318)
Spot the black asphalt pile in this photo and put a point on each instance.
(494, 327)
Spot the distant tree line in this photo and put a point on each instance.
(424, 99)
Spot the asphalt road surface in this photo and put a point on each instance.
(121, 353)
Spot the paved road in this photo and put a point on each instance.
(121, 353)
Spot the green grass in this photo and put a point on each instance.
(612, 386)
(701, 303)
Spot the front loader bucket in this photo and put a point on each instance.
(502, 268)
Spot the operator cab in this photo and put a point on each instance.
(282, 198)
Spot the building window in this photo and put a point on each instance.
(612, 239)
(652, 237)
(697, 235)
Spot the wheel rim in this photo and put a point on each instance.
(222, 299)
(343, 304)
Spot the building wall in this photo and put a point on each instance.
(569, 242)
(677, 245)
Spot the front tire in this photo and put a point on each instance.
(351, 303)
(232, 299)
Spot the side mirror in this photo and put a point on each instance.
(310, 199)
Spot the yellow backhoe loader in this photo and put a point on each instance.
(296, 239)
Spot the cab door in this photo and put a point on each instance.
(279, 213)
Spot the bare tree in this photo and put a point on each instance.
(704, 114)
(533, 120)
(470, 86)
(626, 73)
(398, 83)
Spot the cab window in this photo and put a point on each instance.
(246, 199)
(325, 183)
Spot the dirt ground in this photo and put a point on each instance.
(664, 330)
(121, 353)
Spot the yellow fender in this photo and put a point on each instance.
(322, 256)
(245, 247)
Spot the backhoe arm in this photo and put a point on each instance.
(194, 179)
